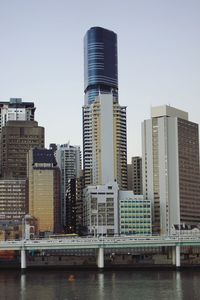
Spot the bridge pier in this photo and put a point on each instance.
(100, 258)
(23, 259)
(178, 257)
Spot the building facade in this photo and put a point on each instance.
(74, 205)
(16, 139)
(105, 142)
(16, 110)
(100, 209)
(171, 178)
(100, 64)
(68, 158)
(134, 172)
(44, 190)
(13, 199)
(134, 214)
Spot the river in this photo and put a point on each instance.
(91, 285)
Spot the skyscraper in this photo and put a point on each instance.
(44, 189)
(104, 142)
(171, 178)
(135, 175)
(16, 139)
(69, 161)
(100, 63)
(104, 120)
(16, 110)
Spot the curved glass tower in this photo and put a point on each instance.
(100, 63)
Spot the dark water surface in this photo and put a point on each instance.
(90, 285)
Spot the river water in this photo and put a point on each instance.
(91, 285)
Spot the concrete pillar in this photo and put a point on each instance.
(100, 259)
(178, 257)
(23, 259)
(173, 256)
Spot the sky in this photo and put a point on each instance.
(41, 59)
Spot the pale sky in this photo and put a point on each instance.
(41, 59)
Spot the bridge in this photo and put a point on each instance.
(101, 243)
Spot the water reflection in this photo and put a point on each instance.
(23, 286)
(178, 286)
(90, 285)
(101, 286)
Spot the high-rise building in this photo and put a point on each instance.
(69, 161)
(104, 142)
(100, 64)
(44, 189)
(17, 137)
(134, 171)
(16, 110)
(171, 177)
(74, 205)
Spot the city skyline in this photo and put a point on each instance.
(42, 60)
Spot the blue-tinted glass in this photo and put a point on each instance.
(100, 59)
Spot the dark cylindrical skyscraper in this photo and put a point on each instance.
(100, 63)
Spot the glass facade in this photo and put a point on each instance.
(100, 63)
(135, 216)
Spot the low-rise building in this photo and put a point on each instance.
(134, 214)
(100, 204)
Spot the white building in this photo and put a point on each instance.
(104, 142)
(171, 179)
(16, 110)
(134, 214)
(68, 158)
(100, 205)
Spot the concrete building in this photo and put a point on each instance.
(16, 110)
(171, 179)
(104, 142)
(100, 204)
(13, 199)
(134, 171)
(16, 139)
(68, 158)
(134, 214)
(44, 190)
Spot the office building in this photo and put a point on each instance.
(74, 205)
(100, 209)
(104, 142)
(17, 138)
(13, 199)
(171, 179)
(134, 214)
(68, 158)
(44, 190)
(100, 64)
(134, 171)
(16, 110)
